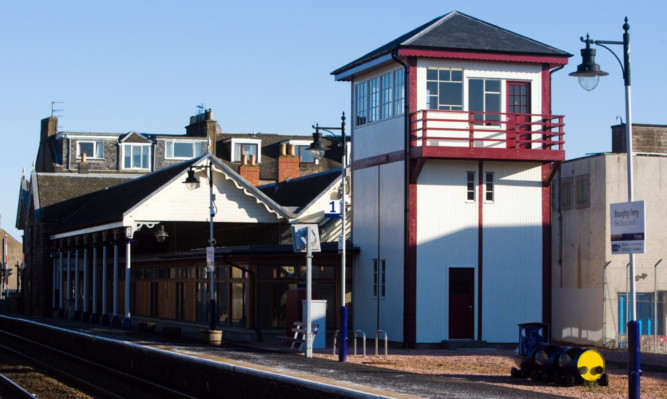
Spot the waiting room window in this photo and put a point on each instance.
(444, 89)
(470, 186)
(136, 156)
(183, 149)
(92, 149)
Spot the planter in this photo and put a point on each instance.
(211, 337)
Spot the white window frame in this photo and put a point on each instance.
(98, 148)
(474, 186)
(171, 143)
(489, 190)
(379, 98)
(124, 148)
(438, 81)
(301, 143)
(240, 141)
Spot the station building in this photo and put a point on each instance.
(106, 241)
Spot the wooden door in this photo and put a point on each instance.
(461, 303)
(518, 114)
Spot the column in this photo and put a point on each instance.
(115, 320)
(95, 316)
(77, 311)
(54, 291)
(127, 322)
(85, 317)
(61, 309)
(68, 312)
(104, 318)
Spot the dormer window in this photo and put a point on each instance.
(183, 149)
(136, 156)
(301, 150)
(92, 149)
(247, 147)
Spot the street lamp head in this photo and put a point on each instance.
(317, 147)
(191, 182)
(588, 71)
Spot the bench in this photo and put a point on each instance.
(299, 330)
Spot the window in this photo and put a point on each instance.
(566, 193)
(379, 277)
(92, 149)
(239, 146)
(374, 100)
(361, 104)
(380, 98)
(582, 188)
(488, 191)
(470, 187)
(304, 155)
(136, 156)
(244, 149)
(444, 89)
(183, 149)
(484, 96)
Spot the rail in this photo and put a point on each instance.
(491, 130)
(386, 342)
(356, 333)
(16, 389)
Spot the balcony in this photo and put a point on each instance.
(486, 135)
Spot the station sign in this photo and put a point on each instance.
(628, 228)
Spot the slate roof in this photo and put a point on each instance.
(460, 32)
(271, 152)
(60, 194)
(109, 205)
(296, 194)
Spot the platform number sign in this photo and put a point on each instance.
(332, 209)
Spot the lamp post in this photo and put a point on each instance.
(192, 182)
(317, 150)
(589, 73)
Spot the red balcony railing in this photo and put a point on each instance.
(490, 135)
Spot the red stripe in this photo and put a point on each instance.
(480, 248)
(546, 247)
(533, 59)
(410, 267)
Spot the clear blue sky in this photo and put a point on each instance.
(264, 66)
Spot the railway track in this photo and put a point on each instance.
(47, 372)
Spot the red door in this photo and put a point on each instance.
(518, 110)
(461, 303)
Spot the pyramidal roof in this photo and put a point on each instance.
(460, 32)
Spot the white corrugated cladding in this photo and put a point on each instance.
(512, 248)
(446, 237)
(388, 224)
(484, 70)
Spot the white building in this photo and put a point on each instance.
(454, 147)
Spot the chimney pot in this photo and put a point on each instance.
(252, 159)
(244, 159)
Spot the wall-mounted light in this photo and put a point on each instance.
(161, 234)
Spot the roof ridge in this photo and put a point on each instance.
(431, 25)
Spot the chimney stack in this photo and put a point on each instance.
(250, 172)
(288, 164)
(49, 127)
(203, 125)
